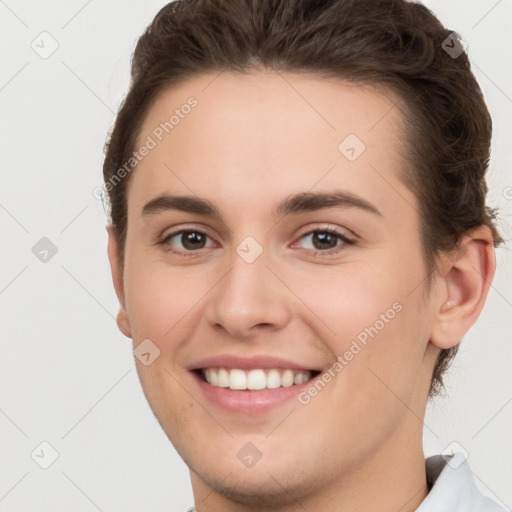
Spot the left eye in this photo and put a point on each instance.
(187, 240)
(325, 240)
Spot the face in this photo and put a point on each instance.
(272, 245)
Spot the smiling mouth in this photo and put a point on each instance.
(255, 379)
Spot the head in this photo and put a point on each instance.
(250, 105)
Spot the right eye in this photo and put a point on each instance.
(186, 242)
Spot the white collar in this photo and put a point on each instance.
(452, 487)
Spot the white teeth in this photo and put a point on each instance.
(256, 379)
(237, 379)
(300, 378)
(287, 379)
(223, 378)
(273, 379)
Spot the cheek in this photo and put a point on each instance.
(351, 298)
(376, 320)
(160, 300)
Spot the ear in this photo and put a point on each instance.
(123, 321)
(465, 283)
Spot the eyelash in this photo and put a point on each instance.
(343, 238)
(186, 254)
(346, 241)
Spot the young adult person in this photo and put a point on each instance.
(299, 240)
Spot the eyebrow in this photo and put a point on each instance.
(310, 201)
(188, 204)
(297, 203)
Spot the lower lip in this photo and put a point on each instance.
(249, 402)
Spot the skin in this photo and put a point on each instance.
(251, 142)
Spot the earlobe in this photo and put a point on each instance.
(467, 279)
(123, 322)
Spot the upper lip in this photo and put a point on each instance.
(247, 363)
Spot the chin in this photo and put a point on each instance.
(263, 490)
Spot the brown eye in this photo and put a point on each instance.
(322, 240)
(186, 241)
(193, 240)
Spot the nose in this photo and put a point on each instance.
(249, 299)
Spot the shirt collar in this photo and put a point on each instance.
(452, 487)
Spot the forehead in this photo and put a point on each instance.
(264, 132)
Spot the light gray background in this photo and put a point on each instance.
(67, 375)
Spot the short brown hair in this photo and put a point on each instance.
(396, 43)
